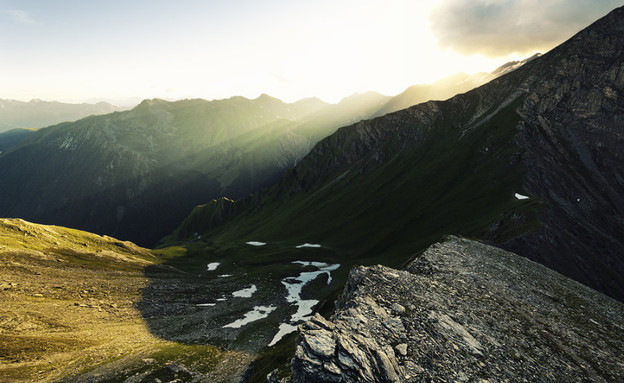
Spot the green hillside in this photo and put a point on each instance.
(137, 174)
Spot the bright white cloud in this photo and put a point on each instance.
(498, 28)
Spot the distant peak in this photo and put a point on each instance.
(310, 100)
(152, 102)
(513, 65)
(362, 96)
(266, 97)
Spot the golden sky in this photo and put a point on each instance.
(79, 51)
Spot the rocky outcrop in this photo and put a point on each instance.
(464, 312)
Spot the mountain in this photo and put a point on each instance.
(13, 137)
(463, 310)
(530, 162)
(225, 147)
(136, 174)
(38, 113)
(446, 87)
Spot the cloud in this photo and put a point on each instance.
(20, 16)
(497, 28)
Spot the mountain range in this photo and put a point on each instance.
(347, 262)
(531, 162)
(137, 174)
(36, 114)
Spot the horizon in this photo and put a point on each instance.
(123, 53)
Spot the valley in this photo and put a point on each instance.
(467, 230)
(78, 307)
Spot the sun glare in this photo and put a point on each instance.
(289, 50)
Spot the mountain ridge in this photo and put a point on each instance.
(120, 168)
(39, 113)
(540, 131)
(123, 167)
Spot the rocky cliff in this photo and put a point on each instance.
(464, 312)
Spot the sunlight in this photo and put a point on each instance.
(292, 50)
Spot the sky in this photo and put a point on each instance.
(124, 51)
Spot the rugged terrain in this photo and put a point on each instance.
(463, 312)
(381, 190)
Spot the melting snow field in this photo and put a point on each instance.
(520, 196)
(294, 285)
(308, 245)
(245, 293)
(212, 266)
(258, 312)
(256, 243)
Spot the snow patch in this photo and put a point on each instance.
(520, 196)
(258, 312)
(256, 243)
(245, 293)
(294, 285)
(205, 304)
(213, 266)
(284, 329)
(308, 245)
(225, 275)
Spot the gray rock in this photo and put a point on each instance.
(492, 316)
(401, 349)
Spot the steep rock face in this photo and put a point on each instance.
(572, 137)
(464, 312)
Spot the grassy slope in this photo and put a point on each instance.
(68, 311)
